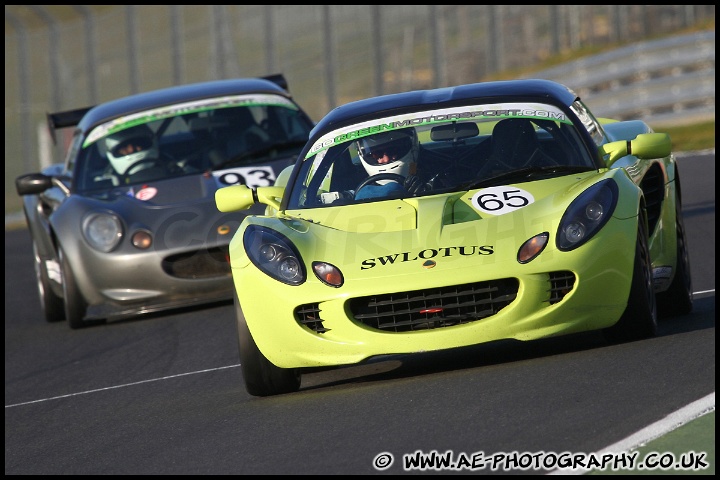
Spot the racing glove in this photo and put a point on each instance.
(414, 185)
(347, 194)
(329, 197)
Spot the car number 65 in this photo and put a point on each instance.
(501, 200)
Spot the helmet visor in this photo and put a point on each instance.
(131, 145)
(395, 149)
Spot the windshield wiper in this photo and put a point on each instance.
(524, 174)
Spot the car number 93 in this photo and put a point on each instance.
(253, 177)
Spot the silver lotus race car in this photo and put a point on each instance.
(128, 223)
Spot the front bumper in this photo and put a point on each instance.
(601, 269)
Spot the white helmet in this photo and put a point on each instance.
(400, 146)
(144, 147)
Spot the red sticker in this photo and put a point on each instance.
(146, 193)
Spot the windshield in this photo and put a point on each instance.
(244, 133)
(439, 151)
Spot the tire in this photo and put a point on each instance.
(262, 378)
(75, 305)
(678, 298)
(639, 320)
(51, 304)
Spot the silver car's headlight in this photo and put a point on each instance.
(103, 231)
(587, 214)
(274, 254)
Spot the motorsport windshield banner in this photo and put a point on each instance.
(147, 116)
(432, 117)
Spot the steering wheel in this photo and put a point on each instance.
(129, 170)
(380, 176)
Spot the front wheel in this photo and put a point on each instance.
(75, 305)
(639, 320)
(262, 377)
(678, 298)
(50, 303)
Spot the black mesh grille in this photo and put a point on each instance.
(309, 315)
(435, 307)
(198, 264)
(561, 283)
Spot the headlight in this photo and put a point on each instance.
(587, 214)
(103, 231)
(274, 254)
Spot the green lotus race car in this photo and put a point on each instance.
(436, 219)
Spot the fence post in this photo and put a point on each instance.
(329, 57)
(377, 47)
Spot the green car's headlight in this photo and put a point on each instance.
(274, 254)
(587, 214)
(103, 231)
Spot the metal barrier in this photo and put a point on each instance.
(663, 81)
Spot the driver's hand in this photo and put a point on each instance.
(414, 185)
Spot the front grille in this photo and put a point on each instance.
(561, 283)
(434, 307)
(309, 315)
(198, 264)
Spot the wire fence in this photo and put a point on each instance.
(70, 56)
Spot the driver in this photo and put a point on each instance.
(132, 150)
(393, 152)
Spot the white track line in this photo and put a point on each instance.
(675, 420)
(121, 386)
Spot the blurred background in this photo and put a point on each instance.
(655, 62)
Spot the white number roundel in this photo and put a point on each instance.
(501, 200)
(253, 177)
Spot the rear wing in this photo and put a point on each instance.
(68, 118)
(278, 79)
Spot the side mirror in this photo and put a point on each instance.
(32, 183)
(242, 197)
(644, 146)
(651, 145)
(234, 198)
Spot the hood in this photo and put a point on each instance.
(448, 229)
(439, 212)
(180, 212)
(171, 192)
